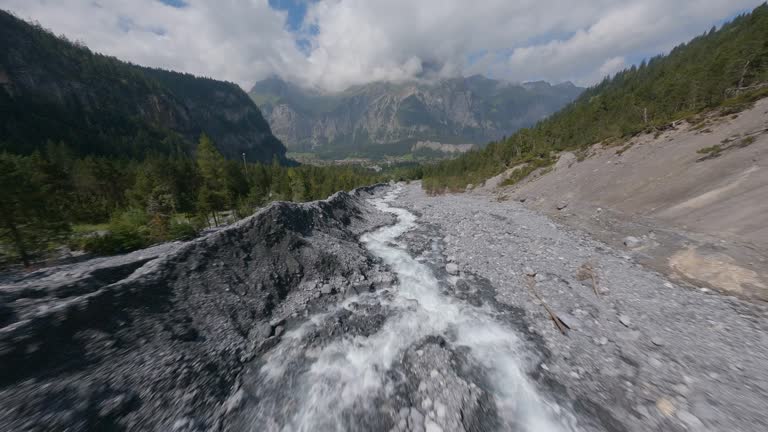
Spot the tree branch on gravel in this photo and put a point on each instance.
(558, 322)
(587, 271)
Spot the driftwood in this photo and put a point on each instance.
(587, 271)
(563, 327)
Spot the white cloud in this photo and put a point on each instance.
(236, 40)
(358, 41)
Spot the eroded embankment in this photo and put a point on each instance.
(692, 197)
(156, 341)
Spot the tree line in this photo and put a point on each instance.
(721, 68)
(108, 205)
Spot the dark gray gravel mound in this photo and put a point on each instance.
(157, 339)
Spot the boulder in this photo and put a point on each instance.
(452, 268)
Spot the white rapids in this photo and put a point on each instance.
(351, 371)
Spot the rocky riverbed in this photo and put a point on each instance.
(380, 310)
(642, 353)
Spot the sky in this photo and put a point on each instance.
(333, 44)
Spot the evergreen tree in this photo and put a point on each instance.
(28, 219)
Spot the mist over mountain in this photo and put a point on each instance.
(388, 118)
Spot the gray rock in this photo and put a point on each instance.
(279, 330)
(452, 268)
(426, 404)
(569, 320)
(625, 320)
(431, 426)
(234, 402)
(629, 336)
(632, 242)
(529, 271)
(690, 420)
(326, 289)
(263, 331)
(416, 419)
(184, 424)
(658, 341)
(562, 205)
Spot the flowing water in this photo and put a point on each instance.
(342, 384)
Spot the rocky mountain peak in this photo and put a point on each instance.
(386, 118)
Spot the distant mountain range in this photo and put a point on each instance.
(54, 90)
(383, 118)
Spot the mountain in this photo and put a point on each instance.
(725, 69)
(390, 118)
(54, 89)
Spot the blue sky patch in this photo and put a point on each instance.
(174, 3)
(296, 9)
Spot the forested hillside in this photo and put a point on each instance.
(725, 67)
(111, 205)
(57, 90)
(106, 156)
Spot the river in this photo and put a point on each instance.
(355, 381)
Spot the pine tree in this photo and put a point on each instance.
(29, 221)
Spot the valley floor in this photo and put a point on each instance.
(643, 352)
(380, 310)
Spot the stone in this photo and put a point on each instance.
(279, 330)
(562, 205)
(601, 341)
(234, 402)
(326, 289)
(264, 330)
(658, 341)
(665, 407)
(690, 420)
(440, 409)
(426, 404)
(416, 419)
(529, 271)
(183, 424)
(629, 336)
(402, 424)
(623, 319)
(569, 320)
(462, 285)
(430, 426)
(452, 269)
(632, 242)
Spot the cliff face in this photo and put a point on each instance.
(52, 89)
(461, 110)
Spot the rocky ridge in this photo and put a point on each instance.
(156, 340)
(392, 117)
